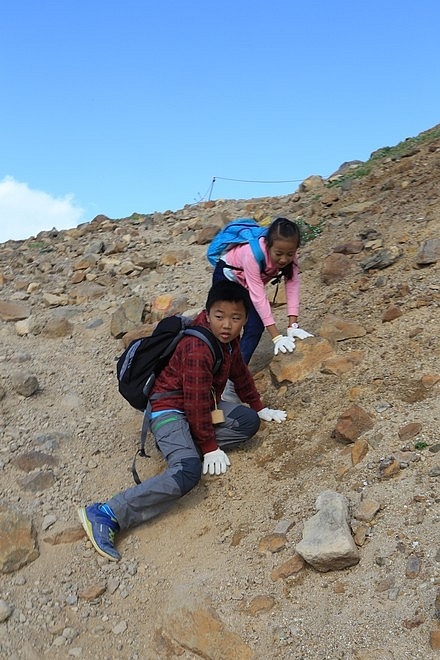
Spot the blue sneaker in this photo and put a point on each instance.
(101, 529)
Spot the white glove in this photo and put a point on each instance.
(295, 331)
(270, 415)
(283, 344)
(215, 462)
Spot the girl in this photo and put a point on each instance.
(279, 246)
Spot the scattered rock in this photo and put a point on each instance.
(327, 544)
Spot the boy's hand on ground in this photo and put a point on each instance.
(295, 331)
(215, 462)
(270, 415)
(283, 344)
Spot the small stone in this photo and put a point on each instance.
(261, 604)
(412, 567)
(366, 510)
(48, 521)
(429, 380)
(435, 640)
(283, 526)
(409, 431)
(385, 584)
(288, 568)
(416, 621)
(389, 467)
(5, 610)
(272, 543)
(391, 313)
(119, 628)
(93, 592)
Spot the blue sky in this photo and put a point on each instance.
(121, 107)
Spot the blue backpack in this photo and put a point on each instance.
(236, 232)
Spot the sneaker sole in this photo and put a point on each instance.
(88, 530)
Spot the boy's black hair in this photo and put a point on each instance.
(230, 292)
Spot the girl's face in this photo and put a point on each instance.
(282, 252)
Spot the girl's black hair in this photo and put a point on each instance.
(229, 291)
(287, 230)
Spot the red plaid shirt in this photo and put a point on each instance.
(189, 371)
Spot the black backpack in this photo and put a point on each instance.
(145, 358)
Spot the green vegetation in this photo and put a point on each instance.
(36, 245)
(401, 149)
(421, 445)
(308, 232)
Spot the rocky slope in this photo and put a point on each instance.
(219, 576)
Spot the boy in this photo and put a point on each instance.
(182, 402)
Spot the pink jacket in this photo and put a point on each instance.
(255, 281)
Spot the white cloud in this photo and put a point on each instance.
(25, 212)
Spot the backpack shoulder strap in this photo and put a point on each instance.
(258, 253)
(206, 335)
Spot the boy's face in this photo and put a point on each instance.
(227, 319)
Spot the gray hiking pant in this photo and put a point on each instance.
(184, 462)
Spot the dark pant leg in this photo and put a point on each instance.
(184, 469)
(240, 424)
(251, 336)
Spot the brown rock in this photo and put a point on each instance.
(306, 358)
(335, 268)
(434, 639)
(24, 384)
(340, 364)
(351, 424)
(349, 247)
(18, 545)
(389, 467)
(77, 277)
(272, 543)
(260, 604)
(334, 328)
(199, 632)
(429, 380)
(360, 535)
(13, 311)
(69, 535)
(385, 584)
(206, 234)
(144, 330)
(174, 257)
(391, 313)
(359, 450)
(58, 328)
(93, 592)
(366, 510)
(166, 305)
(288, 568)
(409, 431)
